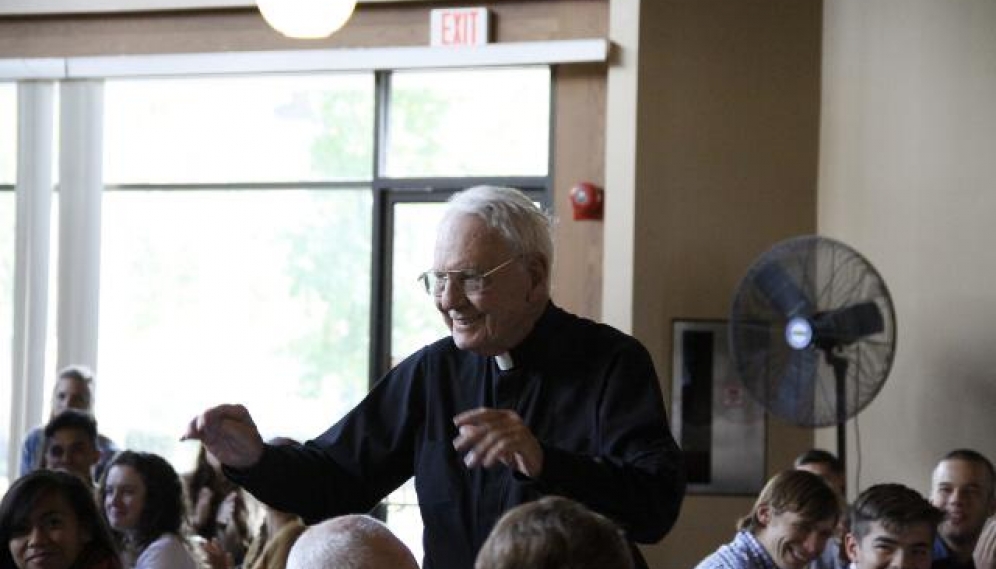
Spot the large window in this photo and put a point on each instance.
(8, 158)
(247, 129)
(260, 238)
(469, 123)
(214, 291)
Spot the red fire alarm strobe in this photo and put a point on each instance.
(587, 200)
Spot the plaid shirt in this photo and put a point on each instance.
(744, 552)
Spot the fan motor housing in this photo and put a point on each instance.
(799, 333)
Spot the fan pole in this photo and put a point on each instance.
(839, 365)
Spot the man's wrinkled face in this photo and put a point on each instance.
(904, 548)
(499, 316)
(963, 489)
(791, 540)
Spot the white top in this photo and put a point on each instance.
(166, 552)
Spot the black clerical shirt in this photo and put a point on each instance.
(589, 394)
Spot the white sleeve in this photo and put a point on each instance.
(167, 552)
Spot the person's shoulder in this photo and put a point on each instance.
(744, 552)
(105, 443)
(34, 436)
(167, 552)
(558, 318)
(724, 558)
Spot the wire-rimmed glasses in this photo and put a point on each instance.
(470, 280)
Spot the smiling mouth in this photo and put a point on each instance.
(465, 321)
(41, 555)
(798, 558)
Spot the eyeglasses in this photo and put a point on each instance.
(471, 281)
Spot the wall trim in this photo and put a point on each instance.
(307, 61)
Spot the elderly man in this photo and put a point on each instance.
(350, 542)
(792, 519)
(963, 486)
(522, 400)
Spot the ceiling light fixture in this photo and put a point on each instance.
(306, 19)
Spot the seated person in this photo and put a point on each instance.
(71, 445)
(273, 541)
(827, 466)
(890, 525)
(142, 499)
(350, 542)
(963, 486)
(72, 391)
(216, 507)
(49, 519)
(985, 548)
(554, 533)
(788, 527)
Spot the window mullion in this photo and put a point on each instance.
(80, 193)
(34, 197)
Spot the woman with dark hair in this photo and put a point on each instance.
(48, 519)
(142, 499)
(217, 508)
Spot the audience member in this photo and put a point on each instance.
(791, 521)
(49, 520)
(216, 507)
(827, 466)
(962, 486)
(142, 498)
(350, 542)
(272, 543)
(73, 390)
(985, 549)
(554, 533)
(891, 526)
(71, 444)
(522, 400)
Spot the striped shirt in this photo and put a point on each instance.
(744, 552)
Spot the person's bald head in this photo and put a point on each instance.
(350, 542)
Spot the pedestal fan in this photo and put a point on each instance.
(813, 332)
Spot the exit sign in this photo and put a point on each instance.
(459, 26)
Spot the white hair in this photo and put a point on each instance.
(350, 542)
(524, 226)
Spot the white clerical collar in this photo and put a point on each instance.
(504, 361)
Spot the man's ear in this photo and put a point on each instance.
(851, 546)
(539, 274)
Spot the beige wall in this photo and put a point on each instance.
(908, 177)
(727, 136)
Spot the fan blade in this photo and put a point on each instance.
(794, 391)
(781, 290)
(848, 324)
